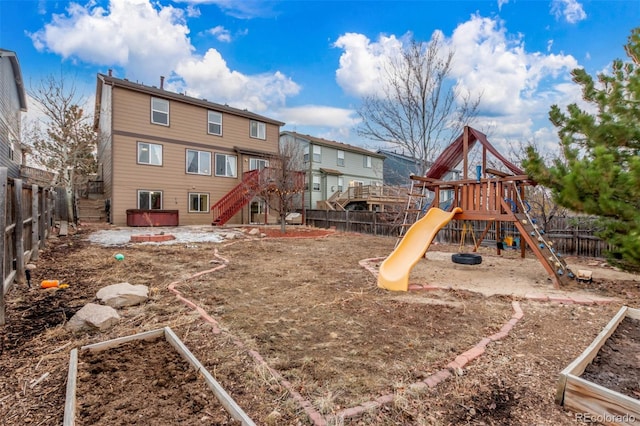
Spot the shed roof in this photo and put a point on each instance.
(454, 154)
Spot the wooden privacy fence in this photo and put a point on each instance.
(571, 236)
(26, 218)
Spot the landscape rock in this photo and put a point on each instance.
(93, 316)
(123, 294)
(254, 231)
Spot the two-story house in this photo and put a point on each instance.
(160, 151)
(331, 167)
(13, 102)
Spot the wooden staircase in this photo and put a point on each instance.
(91, 210)
(233, 201)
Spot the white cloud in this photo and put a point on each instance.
(131, 33)
(570, 10)
(220, 33)
(501, 3)
(318, 115)
(363, 62)
(517, 87)
(256, 93)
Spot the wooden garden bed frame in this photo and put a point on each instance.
(227, 402)
(593, 400)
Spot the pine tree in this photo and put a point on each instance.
(598, 172)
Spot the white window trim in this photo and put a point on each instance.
(163, 112)
(150, 191)
(209, 122)
(368, 161)
(340, 157)
(317, 156)
(235, 174)
(149, 144)
(256, 161)
(199, 194)
(260, 128)
(316, 177)
(199, 172)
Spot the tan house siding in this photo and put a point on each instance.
(131, 118)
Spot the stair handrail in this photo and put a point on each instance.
(230, 203)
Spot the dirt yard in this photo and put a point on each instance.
(298, 333)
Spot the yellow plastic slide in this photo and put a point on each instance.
(394, 270)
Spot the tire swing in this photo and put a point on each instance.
(466, 258)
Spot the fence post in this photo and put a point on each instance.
(35, 243)
(3, 227)
(42, 219)
(19, 232)
(346, 225)
(375, 223)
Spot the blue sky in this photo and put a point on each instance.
(308, 63)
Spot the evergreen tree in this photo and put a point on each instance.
(598, 172)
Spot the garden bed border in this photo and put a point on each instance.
(593, 400)
(227, 402)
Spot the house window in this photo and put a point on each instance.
(215, 123)
(340, 158)
(306, 154)
(340, 183)
(198, 202)
(149, 200)
(160, 111)
(367, 162)
(199, 162)
(149, 153)
(226, 165)
(316, 183)
(306, 182)
(258, 130)
(12, 152)
(258, 163)
(317, 153)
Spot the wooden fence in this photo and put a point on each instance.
(571, 236)
(26, 216)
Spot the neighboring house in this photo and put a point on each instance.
(13, 102)
(398, 168)
(332, 167)
(165, 152)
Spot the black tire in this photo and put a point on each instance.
(466, 258)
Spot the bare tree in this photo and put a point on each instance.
(420, 109)
(283, 184)
(65, 142)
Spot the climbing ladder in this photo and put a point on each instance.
(416, 206)
(531, 233)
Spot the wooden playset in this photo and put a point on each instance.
(492, 196)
